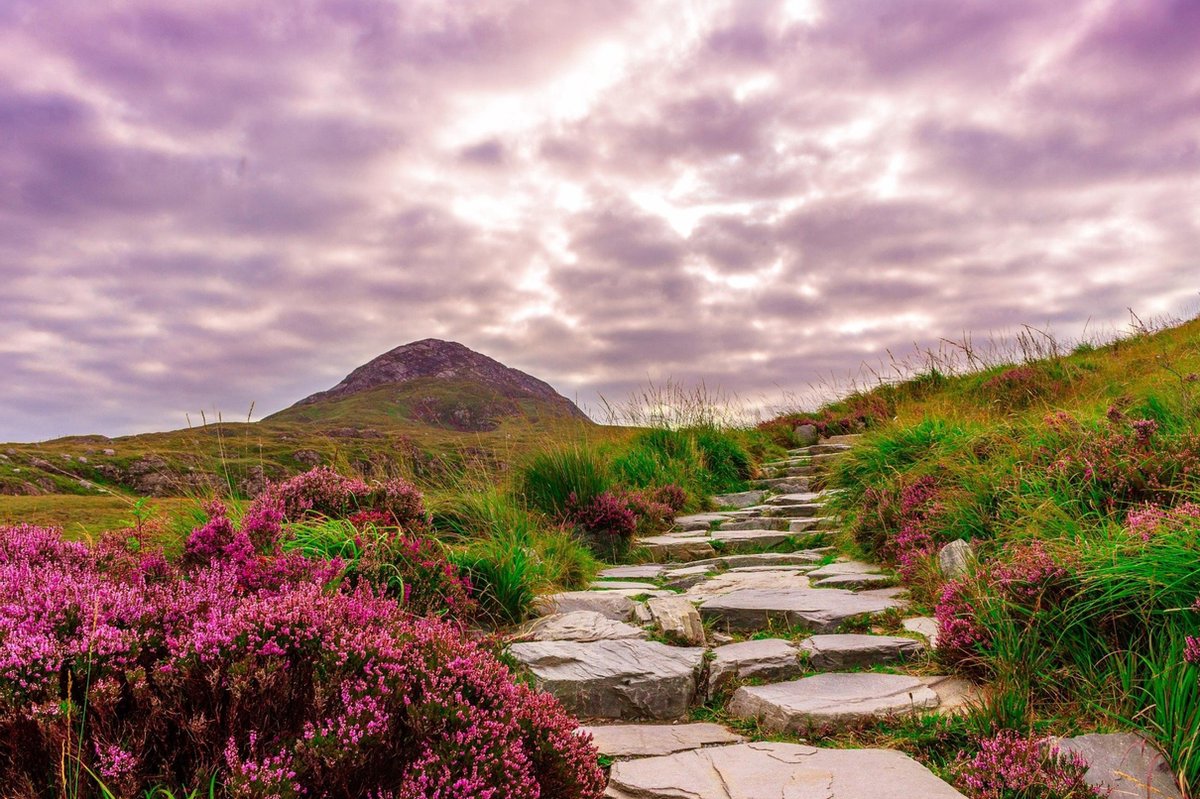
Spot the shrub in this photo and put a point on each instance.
(607, 522)
(171, 678)
(324, 492)
(551, 478)
(1009, 765)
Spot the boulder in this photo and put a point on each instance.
(955, 559)
(831, 700)
(805, 435)
(782, 770)
(677, 619)
(615, 679)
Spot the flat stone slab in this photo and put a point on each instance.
(776, 771)
(811, 524)
(646, 571)
(581, 625)
(845, 567)
(652, 740)
(818, 609)
(665, 547)
(789, 485)
(795, 511)
(755, 523)
(799, 498)
(606, 603)
(923, 625)
(737, 539)
(608, 585)
(615, 679)
(1125, 763)
(854, 582)
(831, 700)
(742, 499)
(831, 652)
(730, 581)
(802, 558)
(764, 659)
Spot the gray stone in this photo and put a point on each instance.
(807, 511)
(700, 521)
(831, 700)
(609, 585)
(735, 540)
(764, 659)
(955, 695)
(581, 625)
(677, 619)
(646, 571)
(803, 557)
(651, 740)
(1124, 762)
(606, 603)
(638, 593)
(831, 652)
(806, 434)
(755, 523)
(818, 609)
(779, 771)
(742, 499)
(782, 484)
(811, 524)
(804, 498)
(854, 581)
(785, 579)
(923, 625)
(664, 548)
(844, 567)
(615, 679)
(955, 559)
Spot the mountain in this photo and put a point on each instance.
(435, 382)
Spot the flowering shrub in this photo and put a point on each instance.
(324, 492)
(1009, 765)
(650, 514)
(1148, 521)
(607, 522)
(151, 675)
(900, 522)
(959, 632)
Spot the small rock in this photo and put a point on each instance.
(677, 619)
(651, 740)
(955, 559)
(765, 659)
(805, 435)
(109, 452)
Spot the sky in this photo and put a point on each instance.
(208, 205)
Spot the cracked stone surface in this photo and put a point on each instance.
(731, 581)
(581, 625)
(831, 652)
(742, 499)
(818, 609)
(665, 547)
(845, 567)
(615, 679)
(607, 603)
(613, 585)
(776, 771)
(648, 571)
(831, 700)
(651, 740)
(853, 582)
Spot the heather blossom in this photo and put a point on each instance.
(1009, 765)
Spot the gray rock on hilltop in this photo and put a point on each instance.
(778, 771)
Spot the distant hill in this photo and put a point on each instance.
(437, 383)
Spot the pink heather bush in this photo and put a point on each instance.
(959, 632)
(607, 522)
(898, 522)
(324, 492)
(259, 672)
(1147, 521)
(1012, 766)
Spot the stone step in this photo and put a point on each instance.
(703, 521)
(767, 659)
(626, 679)
(825, 448)
(746, 540)
(741, 499)
(755, 523)
(610, 585)
(624, 741)
(787, 771)
(817, 609)
(660, 548)
(796, 498)
(793, 471)
(847, 438)
(776, 578)
(607, 603)
(831, 700)
(812, 523)
(580, 625)
(855, 582)
(801, 558)
(645, 571)
(806, 511)
(782, 484)
(832, 652)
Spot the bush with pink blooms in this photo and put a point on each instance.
(1009, 765)
(258, 671)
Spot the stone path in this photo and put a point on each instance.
(722, 614)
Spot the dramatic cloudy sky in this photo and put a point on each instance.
(208, 204)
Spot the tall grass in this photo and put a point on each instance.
(554, 480)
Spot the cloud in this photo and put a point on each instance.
(209, 205)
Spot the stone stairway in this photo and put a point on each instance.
(722, 614)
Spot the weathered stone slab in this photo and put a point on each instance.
(778, 771)
(803, 557)
(808, 511)
(845, 567)
(637, 593)
(923, 625)
(652, 740)
(764, 659)
(614, 606)
(784, 484)
(854, 582)
(818, 609)
(677, 619)
(846, 651)
(831, 700)
(812, 524)
(607, 585)
(747, 539)
(1125, 763)
(800, 498)
(615, 679)
(742, 499)
(664, 548)
(756, 523)
(730, 581)
(646, 571)
(581, 625)
(699, 521)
